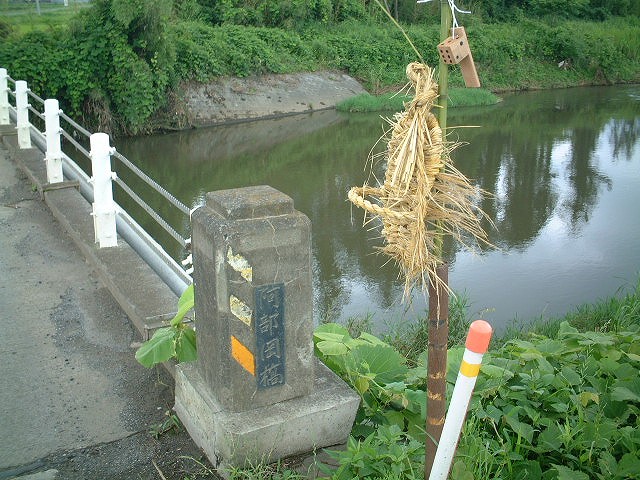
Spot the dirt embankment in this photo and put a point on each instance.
(233, 99)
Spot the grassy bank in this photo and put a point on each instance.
(390, 102)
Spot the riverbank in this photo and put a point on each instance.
(233, 99)
(126, 80)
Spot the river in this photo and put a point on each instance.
(563, 167)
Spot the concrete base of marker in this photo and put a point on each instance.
(264, 435)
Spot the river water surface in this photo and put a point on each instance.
(563, 166)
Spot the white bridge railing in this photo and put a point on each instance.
(109, 218)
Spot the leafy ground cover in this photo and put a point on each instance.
(554, 403)
(558, 407)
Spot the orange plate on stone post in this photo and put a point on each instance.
(243, 355)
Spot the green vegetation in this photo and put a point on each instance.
(177, 340)
(458, 97)
(555, 403)
(119, 63)
(564, 406)
(22, 17)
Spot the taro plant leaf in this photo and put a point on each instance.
(186, 345)
(382, 360)
(328, 347)
(160, 348)
(454, 359)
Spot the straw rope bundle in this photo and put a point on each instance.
(423, 196)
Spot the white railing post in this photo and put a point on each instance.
(53, 155)
(104, 211)
(22, 114)
(4, 97)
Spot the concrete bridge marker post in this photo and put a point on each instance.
(22, 115)
(104, 208)
(257, 393)
(53, 155)
(4, 97)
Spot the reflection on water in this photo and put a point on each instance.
(563, 167)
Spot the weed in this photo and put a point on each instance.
(170, 424)
(274, 471)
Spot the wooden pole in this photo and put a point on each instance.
(438, 327)
(437, 363)
(443, 70)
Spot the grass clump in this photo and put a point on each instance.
(394, 102)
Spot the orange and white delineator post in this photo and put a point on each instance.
(476, 346)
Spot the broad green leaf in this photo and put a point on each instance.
(327, 347)
(329, 336)
(371, 339)
(633, 356)
(361, 384)
(185, 303)
(607, 463)
(560, 407)
(496, 372)
(565, 473)
(629, 466)
(622, 394)
(454, 359)
(417, 398)
(586, 397)
(160, 348)
(332, 328)
(186, 345)
(459, 471)
(549, 439)
(394, 417)
(527, 470)
(524, 430)
(596, 338)
(186, 299)
(571, 376)
(383, 361)
(566, 329)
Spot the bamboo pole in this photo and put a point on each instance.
(438, 326)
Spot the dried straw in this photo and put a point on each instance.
(423, 196)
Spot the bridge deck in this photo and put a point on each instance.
(74, 402)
